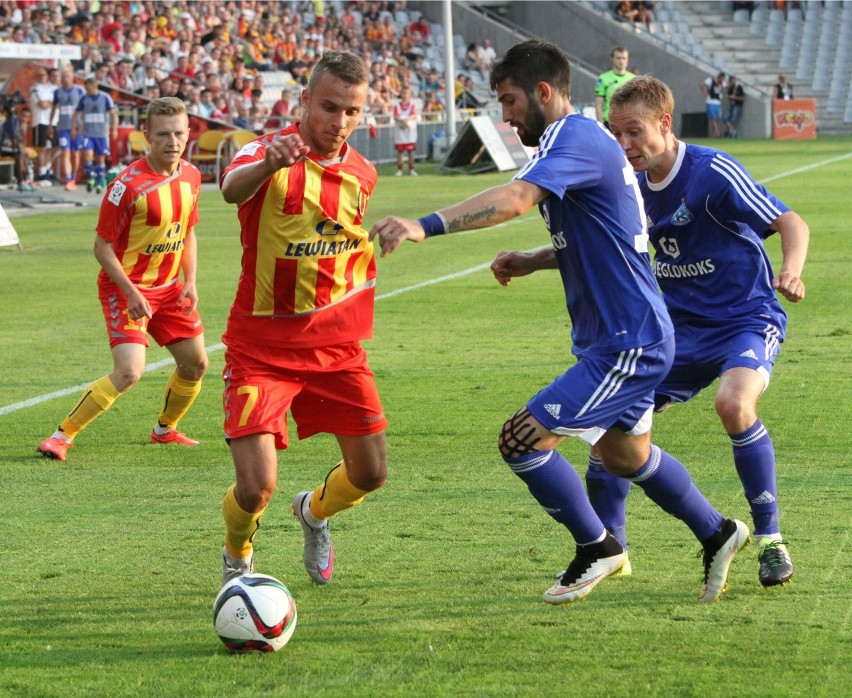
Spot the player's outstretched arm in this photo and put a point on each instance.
(508, 265)
(795, 237)
(490, 207)
(242, 183)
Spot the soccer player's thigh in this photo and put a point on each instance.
(121, 328)
(747, 368)
(343, 402)
(601, 391)
(257, 397)
(699, 355)
(181, 333)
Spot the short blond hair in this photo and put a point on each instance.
(646, 90)
(164, 106)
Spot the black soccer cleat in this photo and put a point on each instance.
(774, 560)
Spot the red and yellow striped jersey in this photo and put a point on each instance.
(308, 268)
(146, 216)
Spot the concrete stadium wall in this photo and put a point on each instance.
(587, 40)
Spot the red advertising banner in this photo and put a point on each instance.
(793, 119)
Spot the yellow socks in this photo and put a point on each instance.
(240, 525)
(335, 494)
(178, 398)
(97, 400)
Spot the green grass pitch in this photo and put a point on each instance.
(110, 562)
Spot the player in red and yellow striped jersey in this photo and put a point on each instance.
(145, 240)
(304, 301)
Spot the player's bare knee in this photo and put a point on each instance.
(254, 496)
(736, 415)
(193, 370)
(124, 378)
(621, 467)
(371, 480)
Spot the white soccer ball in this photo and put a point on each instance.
(254, 612)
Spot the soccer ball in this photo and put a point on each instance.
(254, 612)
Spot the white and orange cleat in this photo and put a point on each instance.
(173, 437)
(55, 447)
(590, 566)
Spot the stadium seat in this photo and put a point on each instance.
(775, 28)
(207, 149)
(137, 144)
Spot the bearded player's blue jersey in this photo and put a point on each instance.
(597, 228)
(707, 221)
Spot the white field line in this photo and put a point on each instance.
(16, 406)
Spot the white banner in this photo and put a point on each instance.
(8, 234)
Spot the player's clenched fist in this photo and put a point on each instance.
(391, 231)
(284, 151)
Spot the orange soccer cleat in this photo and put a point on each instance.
(173, 437)
(55, 447)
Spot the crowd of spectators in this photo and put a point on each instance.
(214, 54)
(639, 11)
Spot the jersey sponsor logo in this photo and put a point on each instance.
(118, 189)
(553, 410)
(164, 247)
(329, 227)
(663, 270)
(670, 247)
(320, 248)
(683, 216)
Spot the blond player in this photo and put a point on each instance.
(145, 240)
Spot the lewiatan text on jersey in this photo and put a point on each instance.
(320, 248)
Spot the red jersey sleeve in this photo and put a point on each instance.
(116, 211)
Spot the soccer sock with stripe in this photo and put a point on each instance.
(96, 400)
(557, 487)
(667, 483)
(101, 175)
(608, 495)
(178, 398)
(754, 458)
(89, 169)
(240, 525)
(336, 494)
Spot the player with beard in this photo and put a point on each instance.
(622, 336)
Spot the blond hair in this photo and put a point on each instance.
(646, 90)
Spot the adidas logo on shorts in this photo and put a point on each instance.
(553, 410)
(749, 354)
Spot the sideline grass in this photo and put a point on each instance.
(111, 559)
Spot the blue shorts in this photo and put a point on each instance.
(604, 390)
(67, 142)
(100, 146)
(714, 111)
(705, 353)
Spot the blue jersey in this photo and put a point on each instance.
(707, 223)
(66, 101)
(597, 228)
(95, 110)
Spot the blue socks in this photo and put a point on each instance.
(608, 495)
(555, 484)
(754, 458)
(668, 484)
